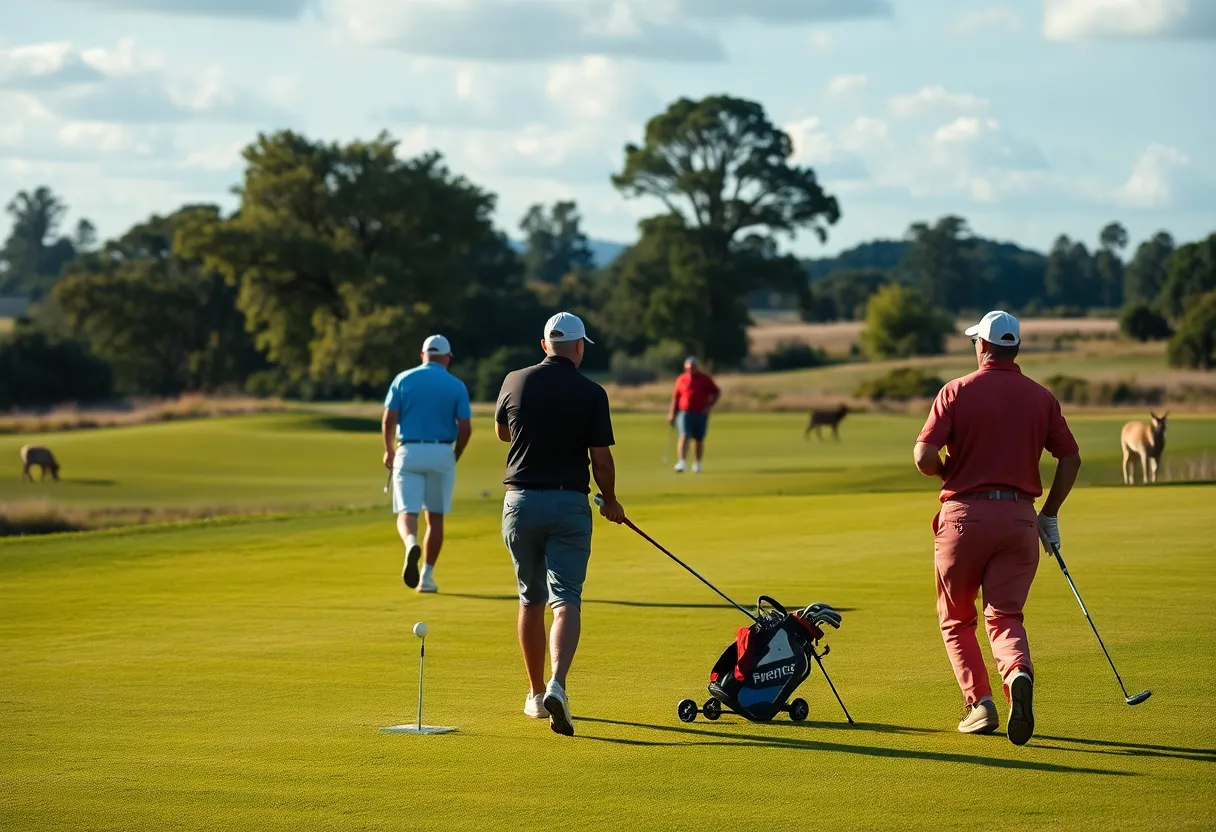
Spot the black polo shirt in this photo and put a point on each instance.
(555, 414)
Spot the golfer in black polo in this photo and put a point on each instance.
(556, 420)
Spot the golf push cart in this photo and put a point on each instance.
(757, 674)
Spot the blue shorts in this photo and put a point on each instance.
(548, 534)
(692, 425)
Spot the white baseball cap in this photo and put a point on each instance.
(565, 326)
(436, 345)
(998, 328)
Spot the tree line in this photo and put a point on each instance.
(341, 257)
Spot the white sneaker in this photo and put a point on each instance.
(558, 707)
(534, 706)
(696, 467)
(680, 467)
(427, 584)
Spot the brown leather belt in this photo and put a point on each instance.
(994, 494)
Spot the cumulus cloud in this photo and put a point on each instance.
(935, 100)
(814, 145)
(268, 9)
(124, 84)
(1082, 19)
(787, 11)
(848, 86)
(983, 143)
(994, 17)
(598, 88)
(1164, 177)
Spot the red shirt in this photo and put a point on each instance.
(693, 392)
(995, 425)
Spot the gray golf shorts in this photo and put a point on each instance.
(693, 425)
(548, 534)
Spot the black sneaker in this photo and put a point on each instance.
(410, 573)
(1021, 708)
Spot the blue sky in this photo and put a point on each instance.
(1029, 117)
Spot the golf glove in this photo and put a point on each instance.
(822, 614)
(1049, 529)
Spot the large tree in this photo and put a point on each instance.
(555, 243)
(939, 262)
(724, 171)
(1144, 275)
(162, 322)
(347, 256)
(1108, 263)
(34, 253)
(1188, 273)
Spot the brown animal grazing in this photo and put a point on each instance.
(1147, 441)
(32, 455)
(831, 418)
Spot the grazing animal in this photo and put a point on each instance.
(831, 418)
(1146, 441)
(32, 455)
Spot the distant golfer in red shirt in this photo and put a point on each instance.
(694, 395)
(995, 425)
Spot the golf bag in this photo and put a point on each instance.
(757, 674)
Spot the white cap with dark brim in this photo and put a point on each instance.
(436, 345)
(998, 328)
(565, 326)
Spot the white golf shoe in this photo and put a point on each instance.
(558, 707)
(696, 467)
(681, 467)
(534, 706)
(427, 584)
(981, 719)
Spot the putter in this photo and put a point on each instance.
(1054, 550)
(599, 501)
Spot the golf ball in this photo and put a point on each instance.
(420, 629)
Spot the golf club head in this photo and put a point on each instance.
(1139, 697)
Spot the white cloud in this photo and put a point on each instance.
(821, 41)
(787, 11)
(848, 86)
(935, 100)
(1081, 19)
(270, 9)
(44, 66)
(815, 146)
(993, 17)
(976, 143)
(597, 88)
(1164, 177)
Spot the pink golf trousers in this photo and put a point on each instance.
(988, 546)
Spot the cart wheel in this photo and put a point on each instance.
(686, 710)
(799, 710)
(712, 709)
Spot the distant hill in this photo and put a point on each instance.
(876, 254)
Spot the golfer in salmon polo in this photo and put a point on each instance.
(995, 425)
(426, 426)
(691, 400)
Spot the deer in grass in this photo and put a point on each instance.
(1147, 442)
(831, 418)
(32, 455)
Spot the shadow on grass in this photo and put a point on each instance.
(89, 482)
(1133, 749)
(714, 737)
(616, 603)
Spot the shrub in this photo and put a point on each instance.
(665, 358)
(1194, 344)
(36, 371)
(899, 323)
(795, 355)
(1141, 322)
(484, 378)
(900, 384)
(1073, 390)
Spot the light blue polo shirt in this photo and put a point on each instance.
(428, 400)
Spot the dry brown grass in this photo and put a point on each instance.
(189, 406)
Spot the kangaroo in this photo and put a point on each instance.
(32, 455)
(831, 418)
(1147, 441)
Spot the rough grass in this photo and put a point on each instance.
(235, 676)
(188, 406)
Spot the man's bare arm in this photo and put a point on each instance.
(604, 469)
(388, 431)
(1061, 485)
(464, 429)
(928, 460)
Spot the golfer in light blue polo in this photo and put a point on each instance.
(426, 427)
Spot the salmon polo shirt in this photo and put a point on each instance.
(995, 425)
(693, 392)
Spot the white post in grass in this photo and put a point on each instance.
(419, 728)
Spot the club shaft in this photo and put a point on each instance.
(1055, 551)
(694, 572)
(824, 671)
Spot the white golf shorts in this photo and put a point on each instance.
(423, 478)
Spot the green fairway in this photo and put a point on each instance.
(295, 460)
(235, 675)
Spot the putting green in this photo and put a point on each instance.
(234, 674)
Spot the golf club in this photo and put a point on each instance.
(599, 501)
(819, 661)
(667, 442)
(388, 478)
(1054, 550)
